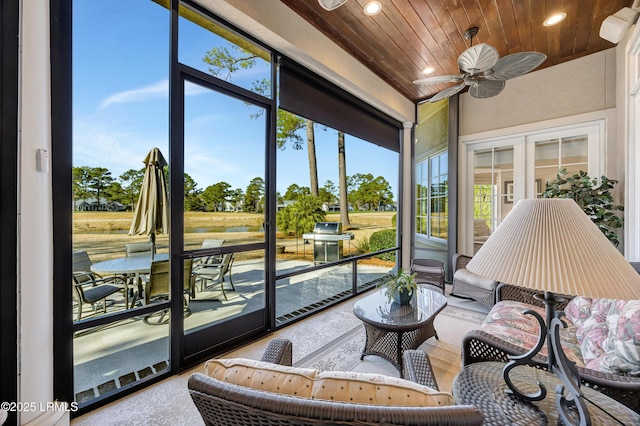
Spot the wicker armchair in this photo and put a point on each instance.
(429, 271)
(469, 285)
(222, 403)
(479, 346)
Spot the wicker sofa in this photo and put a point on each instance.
(491, 344)
(223, 401)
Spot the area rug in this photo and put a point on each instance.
(343, 353)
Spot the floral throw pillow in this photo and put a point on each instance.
(608, 332)
(623, 340)
(578, 310)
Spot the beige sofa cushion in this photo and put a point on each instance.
(262, 375)
(329, 385)
(363, 388)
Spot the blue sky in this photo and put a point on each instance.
(120, 105)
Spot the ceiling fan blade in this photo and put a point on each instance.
(486, 88)
(478, 58)
(439, 79)
(516, 64)
(331, 4)
(447, 92)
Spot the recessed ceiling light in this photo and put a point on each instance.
(372, 8)
(554, 19)
(428, 70)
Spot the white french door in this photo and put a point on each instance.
(498, 172)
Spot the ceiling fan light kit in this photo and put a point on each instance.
(482, 69)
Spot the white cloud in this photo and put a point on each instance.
(158, 90)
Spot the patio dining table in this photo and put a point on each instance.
(131, 265)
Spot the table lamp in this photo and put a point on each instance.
(551, 245)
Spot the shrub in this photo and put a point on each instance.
(393, 220)
(593, 198)
(362, 245)
(382, 240)
(301, 216)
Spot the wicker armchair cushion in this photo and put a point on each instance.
(475, 280)
(426, 269)
(339, 386)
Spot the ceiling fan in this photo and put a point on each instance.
(482, 69)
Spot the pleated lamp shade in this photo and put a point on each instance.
(550, 244)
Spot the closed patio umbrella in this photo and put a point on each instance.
(151, 216)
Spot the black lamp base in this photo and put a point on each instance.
(571, 407)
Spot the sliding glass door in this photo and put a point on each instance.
(191, 101)
(223, 235)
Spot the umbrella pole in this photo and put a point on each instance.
(152, 240)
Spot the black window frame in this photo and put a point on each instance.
(61, 20)
(9, 27)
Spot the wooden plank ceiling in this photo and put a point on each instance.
(408, 36)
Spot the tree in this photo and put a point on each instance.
(236, 198)
(377, 192)
(294, 192)
(328, 193)
(369, 193)
(311, 152)
(131, 182)
(356, 194)
(215, 196)
(99, 180)
(230, 60)
(80, 191)
(254, 195)
(287, 126)
(192, 201)
(342, 172)
(115, 193)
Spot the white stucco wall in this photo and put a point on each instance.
(583, 85)
(35, 268)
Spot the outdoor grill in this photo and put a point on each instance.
(327, 240)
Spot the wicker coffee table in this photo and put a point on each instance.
(392, 328)
(481, 384)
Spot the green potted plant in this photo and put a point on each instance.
(594, 198)
(400, 287)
